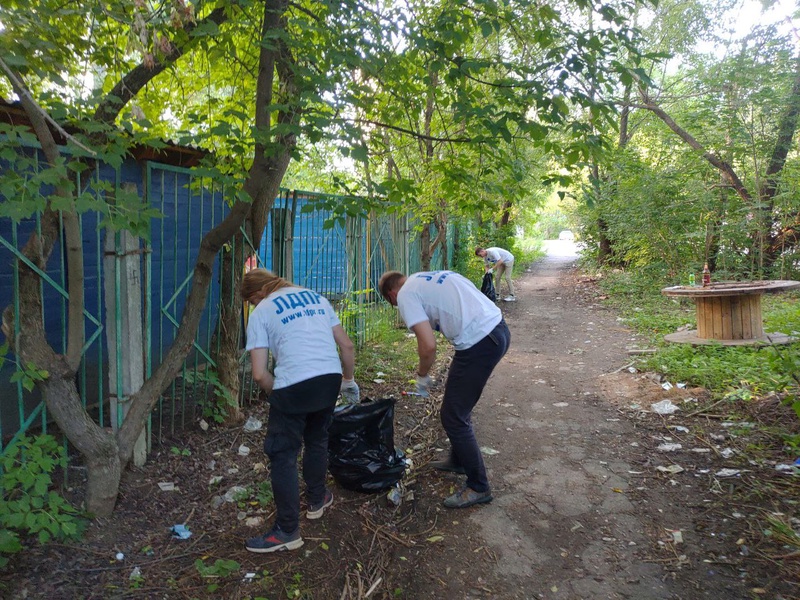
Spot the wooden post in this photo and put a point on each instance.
(124, 332)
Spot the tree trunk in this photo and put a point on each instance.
(439, 240)
(778, 236)
(624, 119)
(505, 216)
(59, 389)
(97, 446)
(262, 185)
(425, 247)
(427, 151)
(605, 250)
(445, 256)
(605, 254)
(727, 171)
(227, 334)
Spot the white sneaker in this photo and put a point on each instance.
(510, 299)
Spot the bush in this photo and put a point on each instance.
(29, 505)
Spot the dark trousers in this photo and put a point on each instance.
(469, 372)
(286, 434)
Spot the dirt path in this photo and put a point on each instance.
(579, 510)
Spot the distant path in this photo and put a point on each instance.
(561, 523)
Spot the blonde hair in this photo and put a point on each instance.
(262, 280)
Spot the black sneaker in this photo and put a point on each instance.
(467, 497)
(447, 465)
(275, 540)
(317, 509)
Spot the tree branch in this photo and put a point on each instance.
(30, 104)
(786, 131)
(274, 56)
(726, 169)
(127, 87)
(74, 248)
(414, 133)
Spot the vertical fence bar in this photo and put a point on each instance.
(175, 282)
(202, 188)
(161, 400)
(17, 327)
(188, 269)
(147, 302)
(81, 375)
(101, 377)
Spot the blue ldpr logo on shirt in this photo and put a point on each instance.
(442, 275)
(297, 300)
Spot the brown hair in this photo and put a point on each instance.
(478, 251)
(388, 282)
(262, 280)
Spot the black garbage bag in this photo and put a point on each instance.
(361, 452)
(487, 286)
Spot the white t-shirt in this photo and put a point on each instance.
(451, 304)
(495, 254)
(296, 325)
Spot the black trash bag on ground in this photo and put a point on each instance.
(487, 286)
(361, 452)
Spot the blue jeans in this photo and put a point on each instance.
(286, 434)
(469, 372)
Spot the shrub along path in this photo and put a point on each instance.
(593, 500)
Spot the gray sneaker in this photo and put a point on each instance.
(317, 509)
(467, 497)
(510, 299)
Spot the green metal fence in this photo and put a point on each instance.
(136, 289)
(22, 409)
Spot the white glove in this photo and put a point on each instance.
(424, 385)
(350, 392)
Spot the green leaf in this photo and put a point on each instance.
(16, 520)
(9, 542)
(31, 521)
(40, 487)
(69, 528)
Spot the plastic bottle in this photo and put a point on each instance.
(691, 280)
(706, 275)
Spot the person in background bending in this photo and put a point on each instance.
(301, 330)
(502, 263)
(447, 302)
